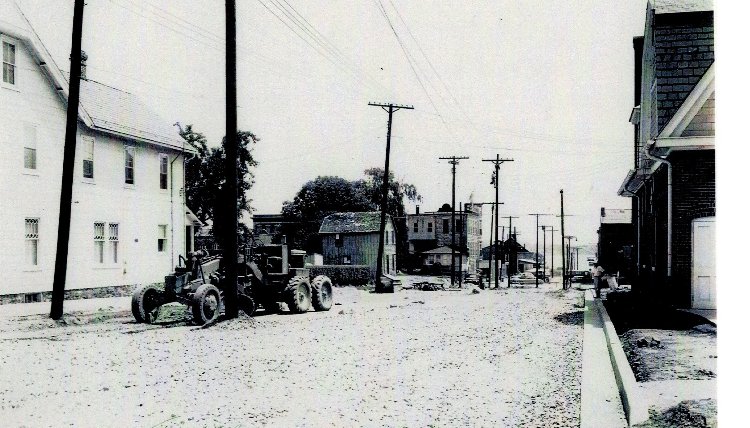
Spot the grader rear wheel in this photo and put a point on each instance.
(145, 303)
(297, 294)
(206, 304)
(322, 293)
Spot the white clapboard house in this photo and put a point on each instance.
(129, 220)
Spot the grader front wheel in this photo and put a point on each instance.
(206, 304)
(145, 304)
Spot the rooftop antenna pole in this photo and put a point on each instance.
(69, 154)
(390, 108)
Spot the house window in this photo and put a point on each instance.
(346, 260)
(32, 241)
(29, 146)
(162, 240)
(446, 225)
(99, 242)
(429, 227)
(387, 235)
(129, 165)
(459, 224)
(88, 157)
(416, 227)
(339, 241)
(9, 63)
(114, 241)
(163, 171)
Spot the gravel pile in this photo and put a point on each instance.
(446, 358)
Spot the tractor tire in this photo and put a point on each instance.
(322, 293)
(270, 306)
(206, 304)
(297, 294)
(145, 304)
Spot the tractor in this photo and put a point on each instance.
(266, 274)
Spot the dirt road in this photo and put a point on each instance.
(413, 358)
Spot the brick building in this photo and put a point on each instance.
(672, 184)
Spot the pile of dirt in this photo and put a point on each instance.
(687, 414)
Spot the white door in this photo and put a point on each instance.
(704, 263)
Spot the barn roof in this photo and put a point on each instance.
(360, 222)
(680, 6)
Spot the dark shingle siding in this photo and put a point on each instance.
(352, 222)
(684, 49)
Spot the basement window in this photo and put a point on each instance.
(161, 242)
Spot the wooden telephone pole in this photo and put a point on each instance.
(453, 160)
(390, 108)
(497, 161)
(536, 250)
(69, 154)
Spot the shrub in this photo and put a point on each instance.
(345, 274)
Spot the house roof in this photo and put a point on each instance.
(682, 6)
(124, 114)
(442, 250)
(101, 107)
(359, 222)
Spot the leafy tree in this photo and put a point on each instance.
(317, 199)
(205, 177)
(327, 195)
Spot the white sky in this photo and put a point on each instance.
(545, 83)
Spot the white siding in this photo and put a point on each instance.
(138, 209)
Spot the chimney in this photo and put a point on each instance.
(84, 57)
(417, 209)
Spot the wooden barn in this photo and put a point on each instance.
(352, 239)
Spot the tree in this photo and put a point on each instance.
(327, 195)
(317, 199)
(205, 177)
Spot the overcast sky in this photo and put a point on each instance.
(549, 84)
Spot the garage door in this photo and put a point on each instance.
(704, 263)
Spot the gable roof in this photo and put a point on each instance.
(101, 107)
(444, 250)
(359, 222)
(682, 6)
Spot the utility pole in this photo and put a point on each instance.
(497, 161)
(552, 251)
(230, 194)
(492, 247)
(544, 250)
(69, 154)
(510, 231)
(453, 160)
(390, 108)
(569, 265)
(562, 240)
(577, 248)
(536, 250)
(460, 240)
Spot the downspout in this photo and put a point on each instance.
(171, 205)
(647, 153)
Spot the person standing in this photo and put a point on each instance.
(596, 275)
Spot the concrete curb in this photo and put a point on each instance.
(636, 410)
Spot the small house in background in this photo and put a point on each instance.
(353, 239)
(616, 237)
(438, 260)
(268, 228)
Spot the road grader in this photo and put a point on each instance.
(267, 275)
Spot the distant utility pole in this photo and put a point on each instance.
(544, 249)
(230, 195)
(453, 160)
(569, 255)
(562, 240)
(552, 251)
(577, 248)
(69, 155)
(390, 108)
(493, 248)
(497, 161)
(460, 239)
(510, 231)
(536, 250)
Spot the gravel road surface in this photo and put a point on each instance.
(510, 357)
